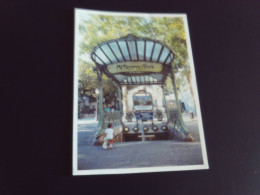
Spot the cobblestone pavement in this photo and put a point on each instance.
(136, 154)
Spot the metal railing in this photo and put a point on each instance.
(173, 116)
(113, 117)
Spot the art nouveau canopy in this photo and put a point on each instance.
(133, 60)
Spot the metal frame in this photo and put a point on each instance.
(166, 70)
(130, 37)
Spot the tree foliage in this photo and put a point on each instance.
(88, 82)
(87, 79)
(95, 29)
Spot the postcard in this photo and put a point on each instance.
(136, 106)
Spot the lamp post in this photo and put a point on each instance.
(97, 92)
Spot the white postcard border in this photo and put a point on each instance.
(77, 13)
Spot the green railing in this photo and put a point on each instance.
(113, 117)
(173, 116)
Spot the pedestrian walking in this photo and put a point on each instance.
(108, 137)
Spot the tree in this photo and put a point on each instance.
(88, 82)
(170, 30)
(87, 79)
(176, 39)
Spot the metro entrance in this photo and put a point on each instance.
(136, 61)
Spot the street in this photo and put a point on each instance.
(136, 154)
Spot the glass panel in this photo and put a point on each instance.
(102, 56)
(124, 49)
(168, 61)
(140, 45)
(116, 50)
(159, 77)
(153, 75)
(164, 54)
(128, 79)
(151, 79)
(149, 48)
(156, 52)
(138, 79)
(133, 79)
(98, 60)
(120, 77)
(109, 53)
(146, 79)
(172, 56)
(142, 79)
(132, 48)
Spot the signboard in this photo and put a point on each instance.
(148, 107)
(134, 67)
(144, 115)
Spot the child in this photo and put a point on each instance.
(109, 134)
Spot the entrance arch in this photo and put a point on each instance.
(132, 60)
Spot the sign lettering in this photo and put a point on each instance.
(135, 67)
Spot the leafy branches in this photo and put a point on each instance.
(100, 28)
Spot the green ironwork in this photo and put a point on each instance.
(101, 121)
(120, 103)
(173, 117)
(113, 117)
(165, 103)
(132, 49)
(120, 98)
(180, 122)
(121, 60)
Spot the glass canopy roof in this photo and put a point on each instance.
(133, 60)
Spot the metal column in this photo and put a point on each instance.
(120, 103)
(100, 106)
(165, 103)
(179, 115)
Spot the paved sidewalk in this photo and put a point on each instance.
(140, 154)
(87, 121)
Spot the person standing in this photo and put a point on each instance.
(107, 109)
(108, 137)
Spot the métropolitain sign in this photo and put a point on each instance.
(134, 67)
